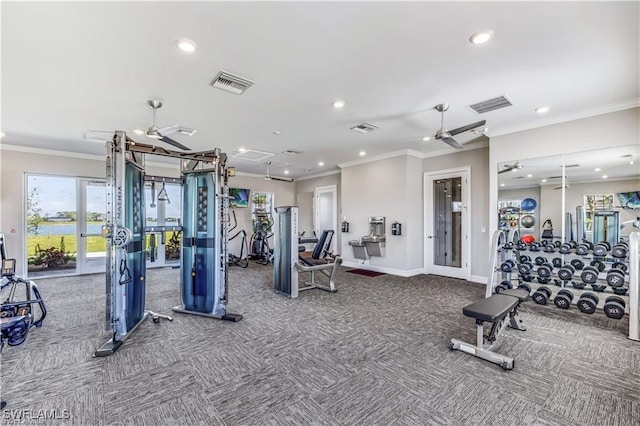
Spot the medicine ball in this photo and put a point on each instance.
(528, 204)
(527, 221)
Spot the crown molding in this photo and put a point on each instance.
(317, 175)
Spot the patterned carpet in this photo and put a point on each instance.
(375, 353)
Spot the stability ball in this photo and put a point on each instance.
(528, 204)
(527, 239)
(527, 221)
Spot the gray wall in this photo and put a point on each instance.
(389, 188)
(478, 159)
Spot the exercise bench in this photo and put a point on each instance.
(321, 260)
(500, 310)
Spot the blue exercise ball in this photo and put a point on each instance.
(528, 204)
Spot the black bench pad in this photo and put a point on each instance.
(517, 292)
(492, 308)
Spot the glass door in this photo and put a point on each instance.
(446, 224)
(92, 202)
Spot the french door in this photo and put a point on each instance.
(447, 223)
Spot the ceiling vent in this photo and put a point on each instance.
(231, 83)
(364, 128)
(252, 155)
(292, 152)
(490, 105)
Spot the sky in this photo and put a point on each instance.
(56, 194)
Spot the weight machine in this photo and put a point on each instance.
(241, 260)
(204, 237)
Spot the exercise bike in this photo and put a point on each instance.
(242, 260)
(259, 243)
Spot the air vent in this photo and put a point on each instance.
(490, 105)
(252, 155)
(364, 128)
(231, 83)
(292, 152)
(557, 177)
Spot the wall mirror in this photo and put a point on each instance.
(575, 192)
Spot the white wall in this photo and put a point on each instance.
(478, 159)
(615, 129)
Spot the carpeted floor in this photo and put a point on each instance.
(375, 353)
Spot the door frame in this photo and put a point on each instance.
(82, 184)
(333, 189)
(464, 272)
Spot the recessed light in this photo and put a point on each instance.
(186, 45)
(502, 184)
(597, 169)
(529, 175)
(286, 172)
(630, 162)
(362, 153)
(241, 149)
(138, 131)
(321, 164)
(544, 181)
(480, 37)
(542, 110)
(426, 138)
(277, 132)
(2, 134)
(338, 104)
(604, 176)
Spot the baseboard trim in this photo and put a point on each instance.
(391, 271)
(478, 279)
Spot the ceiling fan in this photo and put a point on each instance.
(447, 135)
(269, 177)
(510, 167)
(162, 134)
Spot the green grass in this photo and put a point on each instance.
(94, 244)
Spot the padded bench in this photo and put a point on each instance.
(499, 310)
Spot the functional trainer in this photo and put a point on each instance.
(288, 264)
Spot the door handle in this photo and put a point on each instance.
(82, 234)
(430, 236)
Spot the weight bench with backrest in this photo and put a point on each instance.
(321, 260)
(499, 310)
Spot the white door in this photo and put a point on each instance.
(447, 223)
(326, 211)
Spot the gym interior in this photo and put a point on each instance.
(380, 213)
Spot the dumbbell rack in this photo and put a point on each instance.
(502, 251)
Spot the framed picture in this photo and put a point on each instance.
(239, 197)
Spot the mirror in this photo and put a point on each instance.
(598, 181)
(304, 201)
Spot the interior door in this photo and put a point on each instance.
(326, 210)
(91, 216)
(447, 223)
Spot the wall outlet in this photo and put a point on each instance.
(484, 229)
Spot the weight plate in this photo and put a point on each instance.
(506, 284)
(556, 262)
(619, 252)
(620, 265)
(577, 264)
(586, 305)
(549, 248)
(544, 271)
(546, 291)
(566, 273)
(615, 278)
(600, 250)
(525, 268)
(562, 301)
(600, 266)
(524, 258)
(582, 250)
(589, 275)
(613, 310)
(499, 289)
(540, 298)
(540, 260)
(616, 299)
(565, 248)
(566, 293)
(527, 278)
(591, 296)
(525, 287)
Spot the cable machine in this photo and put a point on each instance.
(203, 263)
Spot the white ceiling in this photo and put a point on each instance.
(72, 67)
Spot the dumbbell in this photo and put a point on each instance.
(535, 246)
(615, 277)
(526, 287)
(527, 278)
(620, 291)
(543, 280)
(556, 262)
(524, 258)
(565, 248)
(521, 245)
(563, 299)
(600, 266)
(588, 303)
(620, 250)
(539, 260)
(507, 265)
(584, 247)
(541, 295)
(565, 273)
(577, 264)
(598, 287)
(544, 270)
(589, 274)
(508, 245)
(504, 285)
(525, 268)
(601, 249)
(578, 285)
(549, 248)
(620, 265)
(614, 307)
